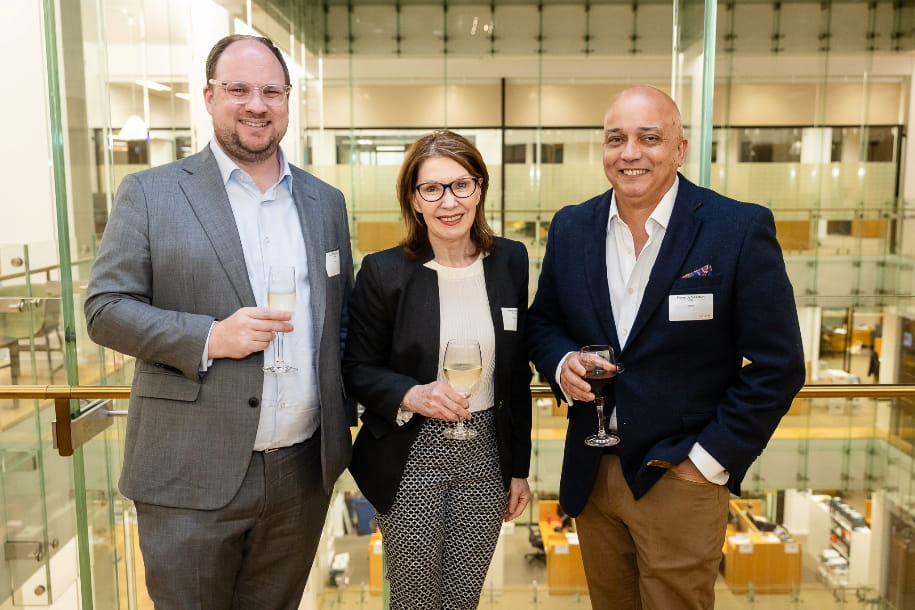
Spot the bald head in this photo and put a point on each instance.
(643, 146)
(646, 95)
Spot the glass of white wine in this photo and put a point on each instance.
(462, 365)
(280, 295)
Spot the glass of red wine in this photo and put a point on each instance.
(600, 369)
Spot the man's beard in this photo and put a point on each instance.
(235, 148)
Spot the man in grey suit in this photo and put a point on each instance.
(230, 468)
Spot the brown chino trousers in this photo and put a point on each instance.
(661, 552)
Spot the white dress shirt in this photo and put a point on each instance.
(271, 234)
(627, 277)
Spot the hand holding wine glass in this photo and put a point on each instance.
(462, 365)
(600, 369)
(280, 295)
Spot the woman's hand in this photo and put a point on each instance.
(519, 495)
(437, 400)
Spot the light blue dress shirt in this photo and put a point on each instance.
(271, 234)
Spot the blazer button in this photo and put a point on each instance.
(253, 401)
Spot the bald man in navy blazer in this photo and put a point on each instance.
(689, 288)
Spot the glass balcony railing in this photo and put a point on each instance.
(823, 513)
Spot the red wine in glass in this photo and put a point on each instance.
(598, 360)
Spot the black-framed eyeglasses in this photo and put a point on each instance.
(240, 92)
(461, 188)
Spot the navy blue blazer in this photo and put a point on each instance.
(393, 344)
(683, 381)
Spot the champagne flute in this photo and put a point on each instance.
(280, 295)
(595, 359)
(462, 366)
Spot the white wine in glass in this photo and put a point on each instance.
(280, 295)
(462, 365)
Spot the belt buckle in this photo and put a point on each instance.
(271, 450)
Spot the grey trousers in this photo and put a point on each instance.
(254, 553)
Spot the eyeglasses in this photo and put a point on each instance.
(240, 92)
(433, 191)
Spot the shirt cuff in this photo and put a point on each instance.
(205, 361)
(557, 377)
(710, 468)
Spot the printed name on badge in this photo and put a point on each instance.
(510, 318)
(332, 263)
(690, 307)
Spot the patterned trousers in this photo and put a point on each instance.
(442, 529)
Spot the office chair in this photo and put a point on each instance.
(27, 324)
(20, 318)
(536, 540)
(50, 326)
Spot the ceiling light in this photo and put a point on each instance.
(151, 84)
(134, 128)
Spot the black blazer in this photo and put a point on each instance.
(393, 345)
(684, 381)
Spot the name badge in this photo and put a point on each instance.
(688, 307)
(332, 263)
(510, 318)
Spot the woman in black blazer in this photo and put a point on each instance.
(440, 502)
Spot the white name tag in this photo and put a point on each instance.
(332, 263)
(510, 318)
(687, 307)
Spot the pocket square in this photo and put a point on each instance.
(703, 271)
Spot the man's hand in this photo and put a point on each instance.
(687, 470)
(572, 381)
(437, 400)
(248, 330)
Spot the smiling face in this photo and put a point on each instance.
(249, 133)
(643, 146)
(449, 219)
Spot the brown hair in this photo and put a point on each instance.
(220, 47)
(450, 145)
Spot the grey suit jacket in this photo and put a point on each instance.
(170, 263)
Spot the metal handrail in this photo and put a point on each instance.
(65, 420)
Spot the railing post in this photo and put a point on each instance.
(62, 432)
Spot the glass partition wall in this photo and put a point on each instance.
(800, 106)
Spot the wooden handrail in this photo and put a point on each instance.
(42, 392)
(63, 394)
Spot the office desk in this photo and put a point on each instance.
(376, 568)
(758, 558)
(565, 571)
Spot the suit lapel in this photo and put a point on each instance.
(678, 239)
(202, 185)
(312, 218)
(494, 284)
(594, 241)
(422, 308)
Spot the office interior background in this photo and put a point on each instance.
(802, 106)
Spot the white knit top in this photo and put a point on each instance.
(464, 311)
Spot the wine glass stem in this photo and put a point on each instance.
(599, 403)
(278, 346)
(460, 422)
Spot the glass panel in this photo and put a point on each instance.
(37, 486)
